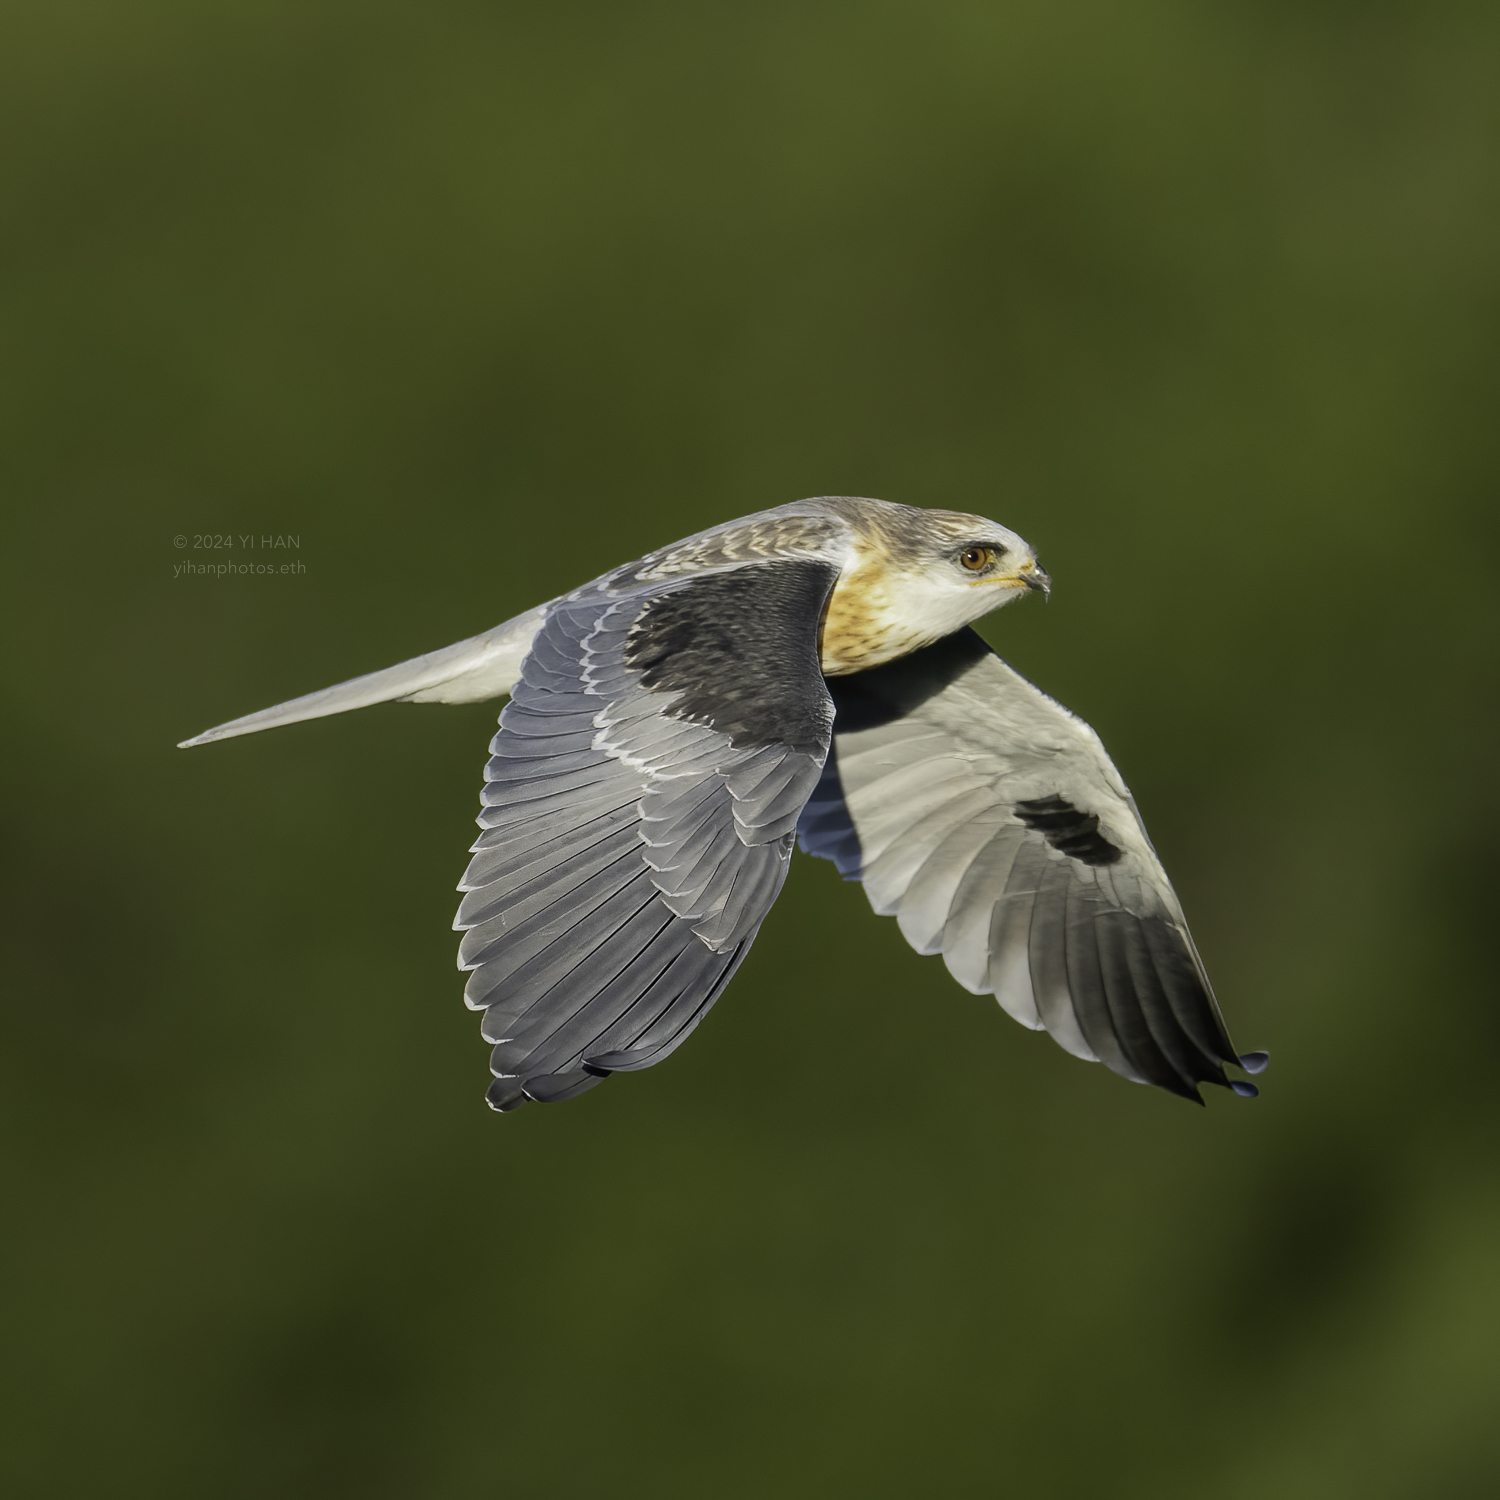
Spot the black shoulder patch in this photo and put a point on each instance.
(1068, 830)
(739, 652)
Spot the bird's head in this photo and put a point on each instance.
(947, 568)
(913, 576)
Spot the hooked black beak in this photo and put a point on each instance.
(1036, 580)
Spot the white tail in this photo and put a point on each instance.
(484, 666)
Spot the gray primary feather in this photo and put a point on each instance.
(992, 825)
(639, 810)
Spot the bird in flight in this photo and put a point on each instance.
(804, 674)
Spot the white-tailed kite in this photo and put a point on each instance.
(805, 672)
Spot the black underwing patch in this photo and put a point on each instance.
(1069, 830)
(739, 652)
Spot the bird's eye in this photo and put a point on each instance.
(976, 559)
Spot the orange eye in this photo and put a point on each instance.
(977, 559)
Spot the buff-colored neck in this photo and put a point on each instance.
(863, 626)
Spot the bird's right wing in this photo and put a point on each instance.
(639, 810)
(990, 822)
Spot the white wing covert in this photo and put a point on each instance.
(990, 822)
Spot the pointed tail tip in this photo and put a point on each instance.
(198, 739)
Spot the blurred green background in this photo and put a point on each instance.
(479, 300)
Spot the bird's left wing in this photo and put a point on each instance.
(990, 822)
(639, 810)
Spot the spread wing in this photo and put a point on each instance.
(639, 811)
(992, 825)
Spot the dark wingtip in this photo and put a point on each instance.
(1245, 1090)
(504, 1095)
(1255, 1062)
